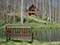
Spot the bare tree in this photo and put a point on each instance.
(22, 12)
(10, 10)
(55, 11)
(43, 10)
(14, 10)
(3, 13)
(19, 8)
(27, 14)
(50, 8)
(47, 10)
(7, 3)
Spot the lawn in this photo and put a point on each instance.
(36, 26)
(25, 42)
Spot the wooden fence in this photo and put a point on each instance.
(43, 34)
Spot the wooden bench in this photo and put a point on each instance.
(19, 32)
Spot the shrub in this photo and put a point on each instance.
(1, 23)
(25, 19)
(31, 20)
(45, 19)
(17, 18)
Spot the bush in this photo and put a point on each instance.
(45, 19)
(25, 19)
(31, 20)
(18, 18)
(1, 23)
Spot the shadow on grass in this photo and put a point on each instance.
(3, 42)
(16, 40)
(20, 41)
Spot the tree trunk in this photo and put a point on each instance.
(7, 3)
(53, 11)
(57, 11)
(47, 10)
(43, 11)
(22, 14)
(27, 14)
(50, 9)
(14, 10)
(3, 14)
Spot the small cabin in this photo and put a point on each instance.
(31, 10)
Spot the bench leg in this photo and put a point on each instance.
(31, 40)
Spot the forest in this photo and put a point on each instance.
(48, 10)
(42, 15)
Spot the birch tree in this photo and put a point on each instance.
(37, 4)
(27, 14)
(43, 10)
(50, 8)
(22, 12)
(7, 3)
(19, 8)
(10, 10)
(3, 14)
(55, 11)
(40, 7)
(47, 9)
(14, 10)
(37, 9)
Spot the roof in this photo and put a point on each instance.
(32, 6)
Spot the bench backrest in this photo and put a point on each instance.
(19, 29)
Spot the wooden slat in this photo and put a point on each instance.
(29, 30)
(10, 30)
(18, 34)
(21, 37)
(18, 26)
(13, 30)
(17, 30)
(24, 30)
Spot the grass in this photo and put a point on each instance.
(36, 26)
(25, 42)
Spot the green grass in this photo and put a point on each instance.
(35, 26)
(25, 42)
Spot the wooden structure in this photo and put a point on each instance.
(31, 10)
(19, 32)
